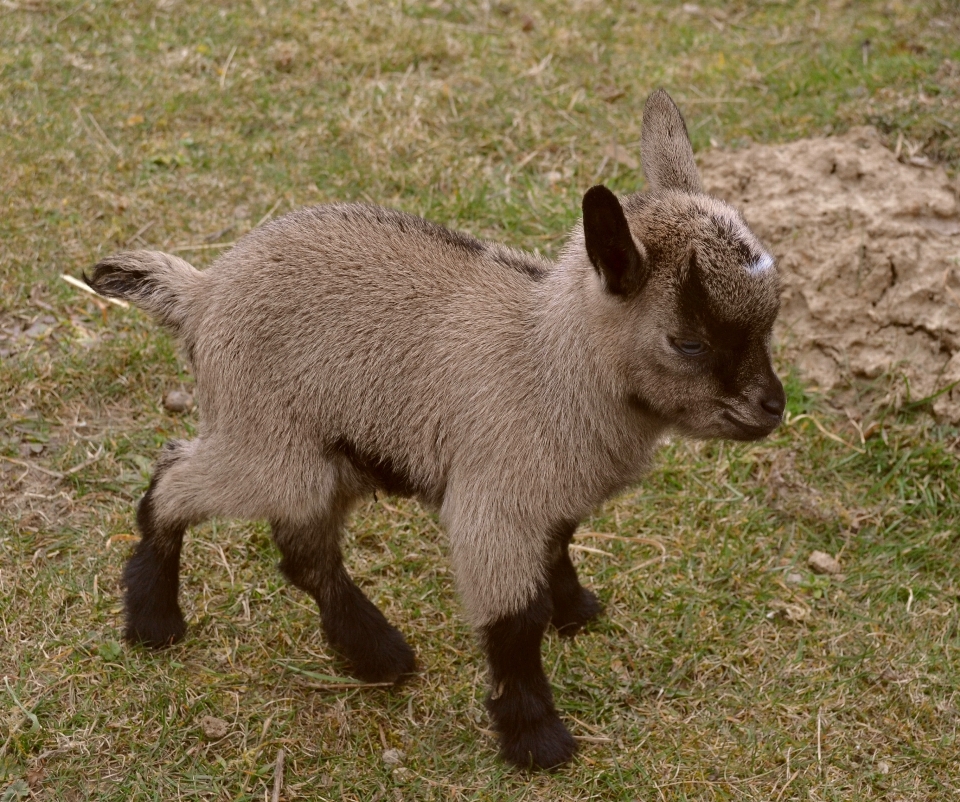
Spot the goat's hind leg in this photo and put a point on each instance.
(152, 575)
(374, 649)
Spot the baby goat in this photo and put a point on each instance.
(510, 393)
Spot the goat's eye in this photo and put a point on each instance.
(690, 347)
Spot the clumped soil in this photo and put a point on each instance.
(868, 243)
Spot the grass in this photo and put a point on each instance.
(724, 668)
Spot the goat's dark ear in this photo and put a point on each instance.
(609, 244)
(665, 149)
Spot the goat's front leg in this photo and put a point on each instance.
(503, 560)
(573, 605)
(520, 701)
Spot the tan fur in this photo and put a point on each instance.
(513, 393)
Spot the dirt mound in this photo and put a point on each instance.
(869, 252)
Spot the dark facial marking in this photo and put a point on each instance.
(699, 313)
(726, 231)
(732, 343)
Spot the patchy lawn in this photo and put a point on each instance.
(725, 668)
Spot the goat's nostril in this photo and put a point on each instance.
(774, 405)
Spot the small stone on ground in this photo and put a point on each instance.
(822, 563)
(178, 401)
(214, 728)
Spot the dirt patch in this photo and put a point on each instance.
(868, 243)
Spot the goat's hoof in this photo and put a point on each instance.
(155, 631)
(385, 658)
(571, 616)
(544, 745)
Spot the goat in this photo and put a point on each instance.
(508, 392)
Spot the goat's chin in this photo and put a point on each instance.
(738, 429)
(701, 429)
(722, 427)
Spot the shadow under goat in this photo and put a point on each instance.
(511, 393)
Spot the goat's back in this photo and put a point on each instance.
(353, 327)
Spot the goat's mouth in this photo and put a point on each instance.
(750, 431)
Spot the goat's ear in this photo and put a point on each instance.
(665, 149)
(610, 246)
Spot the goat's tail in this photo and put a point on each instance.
(159, 283)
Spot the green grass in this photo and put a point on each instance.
(724, 668)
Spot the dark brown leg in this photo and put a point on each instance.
(355, 628)
(573, 605)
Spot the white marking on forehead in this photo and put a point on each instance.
(762, 264)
